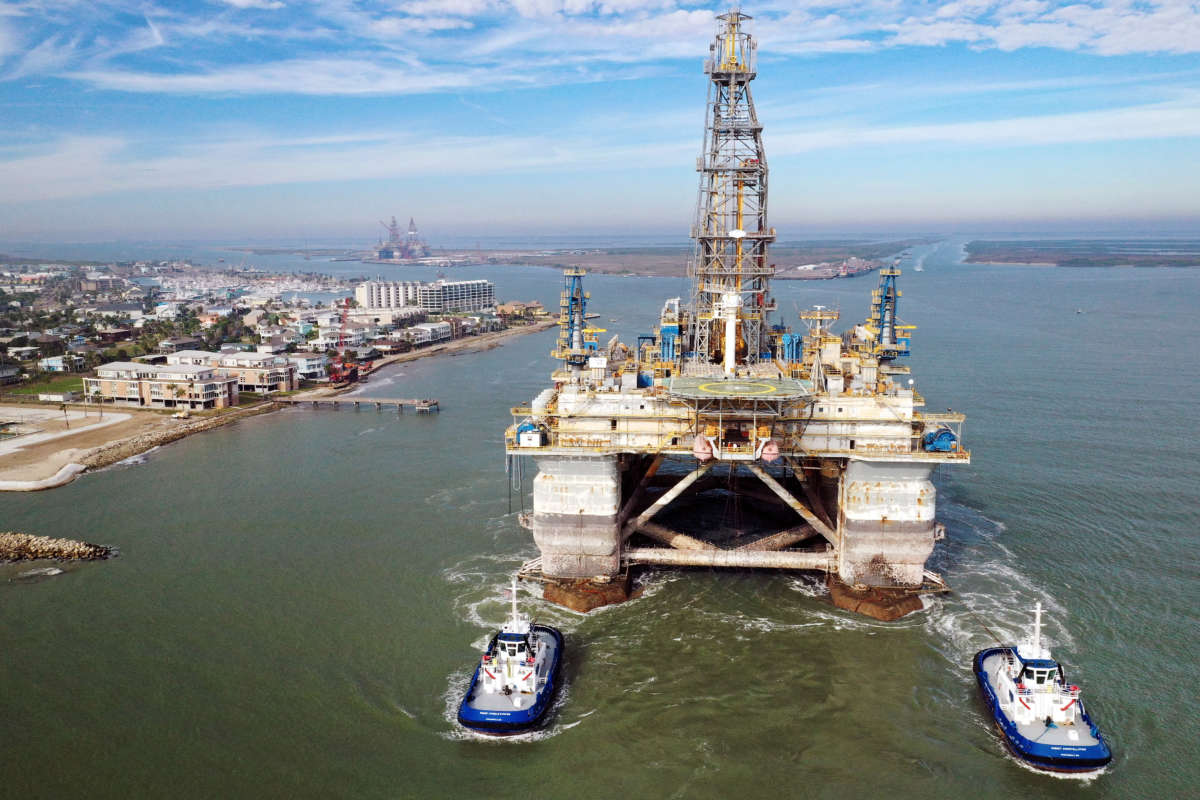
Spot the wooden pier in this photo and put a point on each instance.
(420, 405)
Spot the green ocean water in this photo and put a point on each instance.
(300, 597)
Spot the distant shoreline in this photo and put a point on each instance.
(671, 261)
(1108, 253)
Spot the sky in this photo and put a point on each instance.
(314, 119)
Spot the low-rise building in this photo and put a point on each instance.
(310, 366)
(429, 333)
(58, 397)
(64, 363)
(113, 335)
(351, 335)
(100, 282)
(124, 311)
(179, 343)
(519, 309)
(388, 316)
(161, 386)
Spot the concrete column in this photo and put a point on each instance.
(887, 523)
(575, 505)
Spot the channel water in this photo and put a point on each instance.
(299, 597)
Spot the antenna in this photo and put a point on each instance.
(514, 598)
(1037, 630)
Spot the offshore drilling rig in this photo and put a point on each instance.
(815, 434)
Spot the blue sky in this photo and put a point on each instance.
(267, 119)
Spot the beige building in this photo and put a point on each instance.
(161, 386)
(255, 372)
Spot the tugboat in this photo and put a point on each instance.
(1040, 715)
(516, 679)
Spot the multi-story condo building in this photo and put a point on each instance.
(188, 386)
(255, 372)
(436, 298)
(388, 294)
(447, 296)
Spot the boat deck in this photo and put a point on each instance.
(496, 701)
(1075, 734)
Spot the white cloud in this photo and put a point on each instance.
(481, 37)
(325, 76)
(1115, 27)
(8, 41)
(1180, 118)
(394, 27)
(82, 166)
(266, 5)
(48, 56)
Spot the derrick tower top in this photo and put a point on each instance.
(729, 270)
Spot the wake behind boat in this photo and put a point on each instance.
(1040, 715)
(516, 679)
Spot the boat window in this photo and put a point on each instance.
(1041, 676)
(1029, 673)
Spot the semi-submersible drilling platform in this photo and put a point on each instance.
(813, 430)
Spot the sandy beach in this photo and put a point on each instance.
(49, 440)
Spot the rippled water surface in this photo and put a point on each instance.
(299, 598)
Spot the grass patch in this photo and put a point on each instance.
(54, 384)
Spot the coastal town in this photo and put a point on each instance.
(92, 357)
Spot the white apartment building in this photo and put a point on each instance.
(446, 296)
(436, 298)
(388, 294)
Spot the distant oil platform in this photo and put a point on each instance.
(400, 248)
(723, 439)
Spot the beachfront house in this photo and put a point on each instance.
(429, 333)
(310, 366)
(64, 363)
(174, 345)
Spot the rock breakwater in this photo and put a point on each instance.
(24, 547)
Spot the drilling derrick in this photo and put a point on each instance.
(729, 270)
(821, 459)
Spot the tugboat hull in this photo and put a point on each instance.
(495, 715)
(1030, 743)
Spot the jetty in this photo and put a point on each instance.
(423, 405)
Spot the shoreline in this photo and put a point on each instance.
(118, 450)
